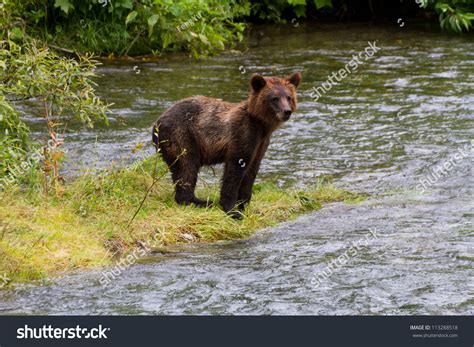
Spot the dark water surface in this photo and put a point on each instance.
(381, 130)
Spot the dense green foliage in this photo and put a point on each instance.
(133, 27)
(200, 27)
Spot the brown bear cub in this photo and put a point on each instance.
(202, 131)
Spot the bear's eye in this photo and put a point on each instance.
(275, 98)
(288, 98)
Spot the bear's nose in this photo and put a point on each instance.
(286, 114)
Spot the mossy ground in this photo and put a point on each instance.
(88, 220)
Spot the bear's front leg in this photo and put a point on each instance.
(233, 174)
(245, 190)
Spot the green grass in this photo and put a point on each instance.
(85, 223)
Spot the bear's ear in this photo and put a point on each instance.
(257, 82)
(294, 79)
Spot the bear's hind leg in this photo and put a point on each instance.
(184, 174)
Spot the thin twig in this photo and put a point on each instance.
(155, 180)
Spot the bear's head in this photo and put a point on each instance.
(273, 99)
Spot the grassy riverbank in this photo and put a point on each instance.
(90, 219)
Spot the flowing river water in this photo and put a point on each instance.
(385, 129)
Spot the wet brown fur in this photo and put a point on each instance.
(201, 131)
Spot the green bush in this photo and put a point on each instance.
(134, 27)
(62, 87)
